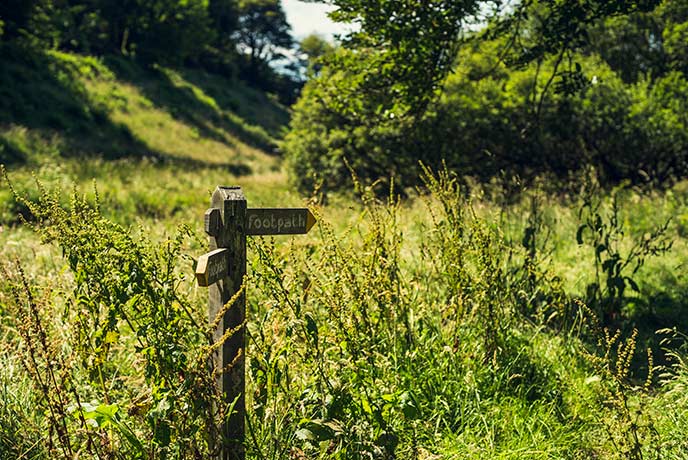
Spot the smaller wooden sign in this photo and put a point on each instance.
(212, 267)
(279, 221)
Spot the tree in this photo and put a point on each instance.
(643, 44)
(262, 33)
(120, 18)
(412, 44)
(314, 48)
(172, 31)
(225, 17)
(675, 35)
(371, 94)
(375, 100)
(15, 15)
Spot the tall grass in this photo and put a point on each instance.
(450, 336)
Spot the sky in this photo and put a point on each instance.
(306, 18)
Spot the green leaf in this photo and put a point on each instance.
(579, 234)
(315, 430)
(632, 284)
(311, 327)
(409, 406)
(608, 265)
(102, 414)
(365, 405)
(304, 434)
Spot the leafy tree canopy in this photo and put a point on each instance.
(531, 107)
(313, 49)
(263, 31)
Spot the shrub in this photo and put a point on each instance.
(490, 122)
(118, 357)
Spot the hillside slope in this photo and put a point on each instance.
(155, 140)
(78, 106)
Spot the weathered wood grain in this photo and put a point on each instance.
(231, 203)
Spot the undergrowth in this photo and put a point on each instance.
(363, 343)
(117, 356)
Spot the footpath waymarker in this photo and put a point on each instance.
(222, 270)
(212, 267)
(279, 221)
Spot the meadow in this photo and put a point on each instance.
(459, 321)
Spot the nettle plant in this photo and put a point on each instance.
(119, 356)
(615, 263)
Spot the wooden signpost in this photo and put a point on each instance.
(222, 270)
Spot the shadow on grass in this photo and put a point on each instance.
(207, 103)
(235, 169)
(662, 306)
(11, 153)
(39, 92)
(253, 106)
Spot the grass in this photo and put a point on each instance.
(410, 330)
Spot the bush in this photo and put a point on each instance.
(117, 357)
(490, 121)
(330, 128)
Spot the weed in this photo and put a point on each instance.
(614, 268)
(629, 426)
(124, 372)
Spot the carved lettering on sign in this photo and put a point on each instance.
(212, 267)
(278, 221)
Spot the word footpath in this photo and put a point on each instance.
(279, 221)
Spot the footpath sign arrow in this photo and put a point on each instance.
(279, 221)
(212, 267)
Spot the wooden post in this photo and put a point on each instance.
(226, 230)
(223, 269)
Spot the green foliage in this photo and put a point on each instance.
(208, 33)
(631, 45)
(396, 329)
(370, 94)
(124, 320)
(675, 376)
(15, 409)
(15, 16)
(263, 29)
(643, 44)
(394, 351)
(327, 130)
(171, 31)
(544, 28)
(315, 48)
(547, 88)
(491, 121)
(614, 269)
(629, 428)
(408, 47)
